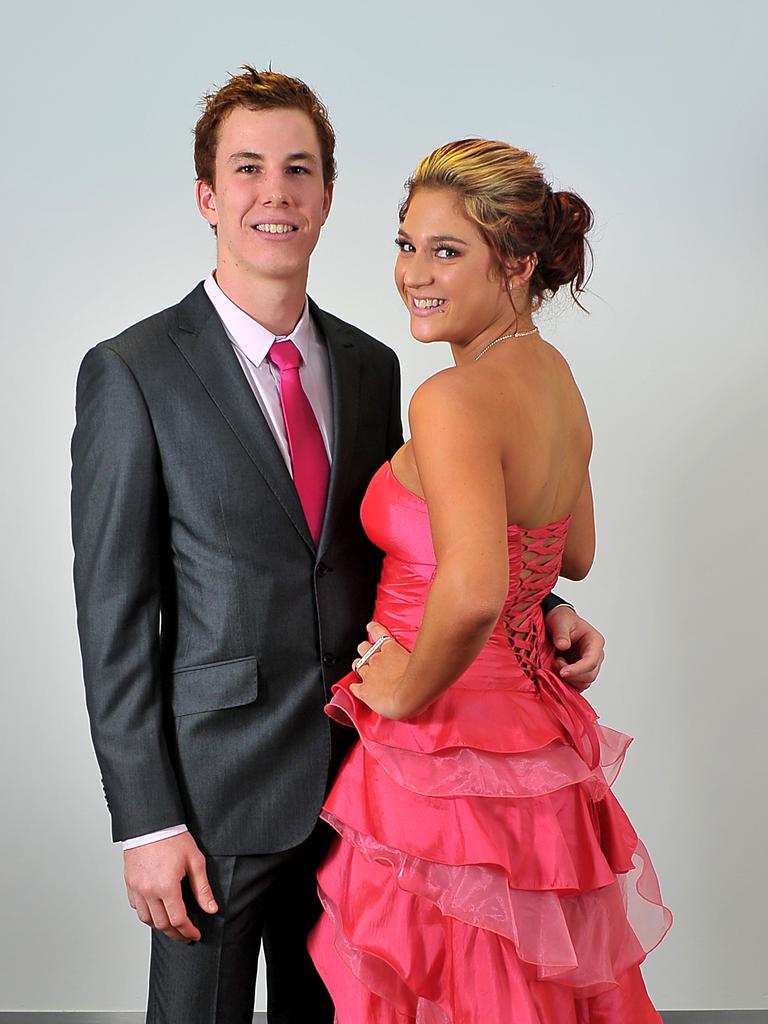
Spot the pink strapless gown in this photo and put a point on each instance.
(484, 872)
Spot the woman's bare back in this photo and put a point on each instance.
(534, 416)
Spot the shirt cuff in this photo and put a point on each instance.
(154, 837)
(563, 604)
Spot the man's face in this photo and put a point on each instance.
(268, 200)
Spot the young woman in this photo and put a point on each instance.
(484, 871)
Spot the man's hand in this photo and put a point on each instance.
(583, 648)
(153, 875)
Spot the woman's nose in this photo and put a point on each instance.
(418, 270)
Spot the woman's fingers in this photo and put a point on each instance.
(376, 631)
(361, 649)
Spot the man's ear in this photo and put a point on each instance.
(206, 201)
(327, 200)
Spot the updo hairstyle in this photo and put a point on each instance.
(504, 193)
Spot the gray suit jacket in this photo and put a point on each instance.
(211, 627)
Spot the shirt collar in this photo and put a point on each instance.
(247, 334)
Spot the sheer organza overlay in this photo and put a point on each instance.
(484, 870)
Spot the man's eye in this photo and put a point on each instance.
(246, 168)
(404, 246)
(298, 169)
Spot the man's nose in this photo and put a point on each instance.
(274, 192)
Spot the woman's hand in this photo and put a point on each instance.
(382, 674)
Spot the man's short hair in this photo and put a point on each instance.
(260, 90)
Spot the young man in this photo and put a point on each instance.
(222, 577)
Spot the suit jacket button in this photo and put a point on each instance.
(322, 569)
(329, 659)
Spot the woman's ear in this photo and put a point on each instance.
(520, 270)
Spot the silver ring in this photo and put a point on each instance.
(372, 650)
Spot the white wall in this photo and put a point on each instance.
(656, 113)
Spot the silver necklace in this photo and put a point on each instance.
(517, 334)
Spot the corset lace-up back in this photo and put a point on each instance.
(535, 561)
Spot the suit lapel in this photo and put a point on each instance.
(344, 362)
(202, 341)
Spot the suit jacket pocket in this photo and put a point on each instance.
(222, 684)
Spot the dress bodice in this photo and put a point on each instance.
(397, 521)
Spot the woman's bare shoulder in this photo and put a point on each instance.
(448, 385)
(568, 382)
(447, 401)
(557, 358)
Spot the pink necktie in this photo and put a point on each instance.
(308, 456)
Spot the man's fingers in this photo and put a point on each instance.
(201, 888)
(179, 920)
(158, 914)
(363, 647)
(161, 921)
(561, 622)
(580, 669)
(591, 656)
(168, 915)
(583, 672)
(142, 910)
(581, 682)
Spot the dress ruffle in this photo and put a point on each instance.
(552, 933)
(452, 752)
(521, 857)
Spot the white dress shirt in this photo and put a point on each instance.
(252, 343)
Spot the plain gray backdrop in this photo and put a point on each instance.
(655, 112)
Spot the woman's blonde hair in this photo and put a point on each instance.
(503, 191)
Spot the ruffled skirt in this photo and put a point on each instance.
(484, 872)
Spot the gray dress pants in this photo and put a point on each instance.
(269, 899)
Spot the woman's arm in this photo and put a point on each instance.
(462, 477)
(580, 543)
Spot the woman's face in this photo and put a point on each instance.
(446, 273)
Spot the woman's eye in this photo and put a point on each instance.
(246, 168)
(448, 254)
(403, 246)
